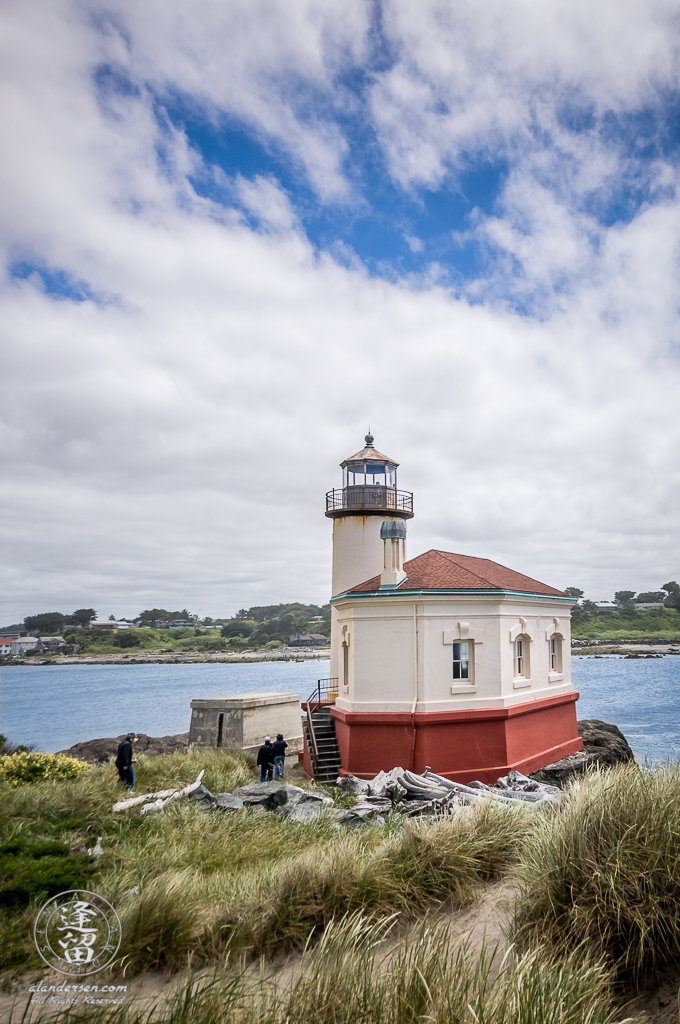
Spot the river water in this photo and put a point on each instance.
(55, 706)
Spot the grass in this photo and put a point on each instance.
(350, 977)
(655, 624)
(211, 885)
(603, 873)
(598, 896)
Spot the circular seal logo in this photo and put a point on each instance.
(77, 932)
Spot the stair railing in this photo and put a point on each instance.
(316, 700)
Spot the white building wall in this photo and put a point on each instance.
(358, 555)
(401, 650)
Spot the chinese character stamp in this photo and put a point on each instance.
(77, 932)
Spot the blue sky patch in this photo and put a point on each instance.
(58, 284)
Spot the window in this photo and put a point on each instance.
(521, 658)
(461, 660)
(345, 665)
(555, 653)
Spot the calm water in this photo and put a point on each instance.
(57, 706)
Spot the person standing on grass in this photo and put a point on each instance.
(265, 759)
(125, 761)
(279, 746)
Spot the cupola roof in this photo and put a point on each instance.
(443, 570)
(370, 452)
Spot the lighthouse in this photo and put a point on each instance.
(368, 498)
(448, 660)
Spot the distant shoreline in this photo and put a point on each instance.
(171, 659)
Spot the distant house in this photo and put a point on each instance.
(161, 624)
(24, 645)
(5, 645)
(308, 640)
(52, 643)
(181, 624)
(644, 606)
(101, 626)
(607, 606)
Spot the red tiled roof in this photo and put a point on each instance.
(4, 640)
(442, 570)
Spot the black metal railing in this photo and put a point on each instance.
(372, 498)
(325, 692)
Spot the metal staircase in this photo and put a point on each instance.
(320, 735)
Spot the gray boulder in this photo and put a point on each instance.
(267, 795)
(203, 797)
(271, 796)
(228, 802)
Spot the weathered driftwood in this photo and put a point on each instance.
(160, 799)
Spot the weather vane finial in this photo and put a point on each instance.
(369, 436)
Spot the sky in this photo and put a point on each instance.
(234, 233)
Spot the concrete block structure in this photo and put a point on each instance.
(241, 721)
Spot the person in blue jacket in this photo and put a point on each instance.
(279, 746)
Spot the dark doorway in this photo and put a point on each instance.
(220, 728)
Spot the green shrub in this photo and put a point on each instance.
(25, 766)
(127, 638)
(32, 871)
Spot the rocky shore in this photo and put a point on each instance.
(173, 659)
(603, 745)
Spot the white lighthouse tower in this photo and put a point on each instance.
(368, 497)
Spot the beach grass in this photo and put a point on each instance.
(602, 873)
(201, 887)
(352, 975)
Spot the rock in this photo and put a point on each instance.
(607, 741)
(273, 795)
(305, 811)
(267, 795)
(604, 745)
(228, 802)
(203, 797)
(102, 750)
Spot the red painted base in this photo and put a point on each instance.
(461, 745)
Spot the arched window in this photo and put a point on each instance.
(522, 666)
(555, 652)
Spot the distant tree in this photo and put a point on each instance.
(673, 591)
(629, 608)
(82, 616)
(127, 638)
(152, 614)
(573, 592)
(112, 618)
(46, 623)
(621, 596)
(238, 627)
(590, 606)
(651, 596)
(242, 613)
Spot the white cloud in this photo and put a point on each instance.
(173, 446)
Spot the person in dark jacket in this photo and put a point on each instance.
(265, 759)
(279, 746)
(125, 761)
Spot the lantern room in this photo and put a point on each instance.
(369, 486)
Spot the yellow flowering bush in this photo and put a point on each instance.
(29, 767)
